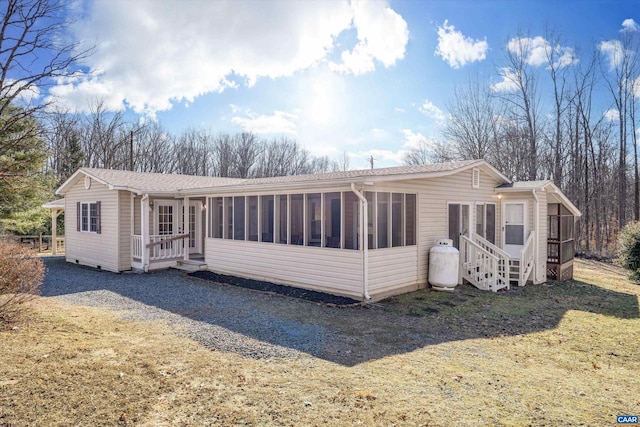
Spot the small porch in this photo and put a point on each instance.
(167, 233)
(490, 268)
(537, 240)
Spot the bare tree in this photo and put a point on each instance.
(105, 138)
(522, 99)
(619, 72)
(473, 120)
(33, 53)
(558, 61)
(246, 152)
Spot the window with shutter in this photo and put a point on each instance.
(89, 217)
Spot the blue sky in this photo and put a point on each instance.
(365, 78)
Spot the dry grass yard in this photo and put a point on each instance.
(554, 354)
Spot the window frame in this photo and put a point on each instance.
(89, 220)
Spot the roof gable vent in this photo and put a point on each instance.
(475, 178)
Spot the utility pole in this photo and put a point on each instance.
(131, 151)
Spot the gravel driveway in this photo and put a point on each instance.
(218, 316)
(252, 323)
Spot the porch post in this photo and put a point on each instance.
(185, 227)
(144, 230)
(54, 231)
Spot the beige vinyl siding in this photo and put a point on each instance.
(434, 195)
(328, 270)
(91, 248)
(124, 208)
(392, 268)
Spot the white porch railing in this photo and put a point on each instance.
(163, 246)
(476, 265)
(482, 268)
(527, 259)
(136, 246)
(504, 261)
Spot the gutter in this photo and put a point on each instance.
(365, 243)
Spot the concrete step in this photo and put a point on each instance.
(191, 265)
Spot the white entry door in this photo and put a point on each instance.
(195, 227)
(165, 223)
(514, 226)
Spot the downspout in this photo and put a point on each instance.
(364, 241)
(535, 242)
(144, 231)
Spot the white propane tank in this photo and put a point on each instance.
(443, 265)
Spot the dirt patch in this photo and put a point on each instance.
(290, 291)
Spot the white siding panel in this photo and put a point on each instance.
(323, 269)
(392, 268)
(91, 248)
(124, 208)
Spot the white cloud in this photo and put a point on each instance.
(415, 140)
(629, 25)
(430, 110)
(508, 83)
(611, 115)
(23, 92)
(456, 49)
(278, 122)
(536, 51)
(613, 51)
(382, 36)
(533, 50)
(160, 53)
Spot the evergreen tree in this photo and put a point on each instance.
(23, 186)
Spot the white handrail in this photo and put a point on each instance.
(487, 245)
(480, 267)
(526, 259)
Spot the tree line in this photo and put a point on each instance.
(102, 139)
(556, 117)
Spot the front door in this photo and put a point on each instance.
(165, 223)
(195, 227)
(514, 227)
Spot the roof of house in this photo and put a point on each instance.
(553, 191)
(364, 175)
(143, 182)
(55, 204)
(157, 183)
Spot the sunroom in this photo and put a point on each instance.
(314, 239)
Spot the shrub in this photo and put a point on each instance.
(629, 250)
(21, 274)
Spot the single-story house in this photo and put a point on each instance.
(309, 230)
